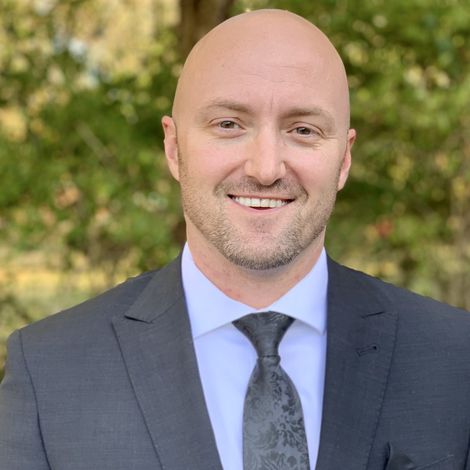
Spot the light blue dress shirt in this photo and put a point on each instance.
(226, 358)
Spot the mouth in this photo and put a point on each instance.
(260, 203)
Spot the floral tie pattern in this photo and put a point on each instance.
(273, 425)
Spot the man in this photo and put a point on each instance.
(154, 375)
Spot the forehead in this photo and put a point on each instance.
(264, 71)
(264, 84)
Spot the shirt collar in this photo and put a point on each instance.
(209, 308)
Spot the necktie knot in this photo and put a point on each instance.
(264, 330)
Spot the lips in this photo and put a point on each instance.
(261, 203)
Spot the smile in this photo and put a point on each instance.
(263, 203)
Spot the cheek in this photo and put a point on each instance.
(318, 175)
(208, 162)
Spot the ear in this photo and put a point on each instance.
(346, 165)
(171, 146)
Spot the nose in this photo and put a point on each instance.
(264, 159)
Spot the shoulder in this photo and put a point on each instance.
(414, 311)
(88, 320)
(90, 323)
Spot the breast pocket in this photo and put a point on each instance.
(446, 463)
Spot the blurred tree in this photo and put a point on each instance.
(88, 163)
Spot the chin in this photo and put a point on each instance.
(258, 259)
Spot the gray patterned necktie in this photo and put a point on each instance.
(273, 425)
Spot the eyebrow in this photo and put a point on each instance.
(290, 113)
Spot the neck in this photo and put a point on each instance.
(256, 288)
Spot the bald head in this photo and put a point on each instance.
(263, 42)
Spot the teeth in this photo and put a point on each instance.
(257, 202)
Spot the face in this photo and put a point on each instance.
(260, 147)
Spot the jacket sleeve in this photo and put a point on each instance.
(21, 445)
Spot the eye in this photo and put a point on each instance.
(305, 131)
(228, 124)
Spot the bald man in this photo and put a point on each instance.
(167, 371)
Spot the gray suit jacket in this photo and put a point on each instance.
(113, 383)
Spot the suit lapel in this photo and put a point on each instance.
(157, 346)
(361, 338)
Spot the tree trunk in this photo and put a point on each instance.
(197, 17)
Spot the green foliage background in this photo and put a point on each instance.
(83, 184)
